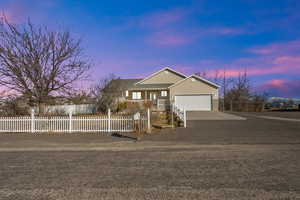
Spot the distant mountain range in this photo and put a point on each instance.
(282, 99)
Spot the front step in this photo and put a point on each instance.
(162, 126)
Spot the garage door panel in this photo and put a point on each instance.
(193, 102)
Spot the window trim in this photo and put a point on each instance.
(136, 95)
(164, 93)
(126, 93)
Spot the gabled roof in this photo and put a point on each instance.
(199, 78)
(166, 68)
(123, 83)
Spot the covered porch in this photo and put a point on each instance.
(156, 94)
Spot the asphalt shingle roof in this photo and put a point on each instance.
(124, 83)
(129, 84)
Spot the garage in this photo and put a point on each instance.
(194, 102)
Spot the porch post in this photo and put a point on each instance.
(172, 115)
(184, 118)
(148, 120)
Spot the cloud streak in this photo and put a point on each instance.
(169, 38)
(276, 49)
(225, 31)
(172, 28)
(277, 58)
(165, 18)
(281, 87)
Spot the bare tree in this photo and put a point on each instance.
(13, 105)
(107, 92)
(220, 77)
(37, 63)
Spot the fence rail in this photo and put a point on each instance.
(105, 123)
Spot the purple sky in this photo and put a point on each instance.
(135, 38)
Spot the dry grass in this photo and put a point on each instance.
(203, 172)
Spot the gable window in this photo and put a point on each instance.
(136, 95)
(126, 93)
(164, 93)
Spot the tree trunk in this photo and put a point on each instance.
(42, 108)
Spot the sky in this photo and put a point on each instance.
(134, 38)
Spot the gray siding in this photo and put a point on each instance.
(165, 76)
(189, 86)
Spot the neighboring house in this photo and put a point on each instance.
(167, 87)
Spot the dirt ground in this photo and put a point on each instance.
(286, 114)
(203, 172)
(250, 159)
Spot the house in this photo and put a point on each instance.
(169, 87)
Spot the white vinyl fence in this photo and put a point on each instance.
(74, 109)
(96, 123)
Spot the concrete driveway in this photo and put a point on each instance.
(208, 115)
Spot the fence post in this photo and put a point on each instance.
(148, 120)
(184, 118)
(109, 120)
(32, 121)
(70, 121)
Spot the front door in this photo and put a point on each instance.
(153, 97)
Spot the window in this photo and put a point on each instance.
(126, 93)
(164, 93)
(136, 95)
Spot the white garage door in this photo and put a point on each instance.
(194, 102)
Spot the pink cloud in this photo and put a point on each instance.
(257, 66)
(281, 87)
(278, 48)
(14, 13)
(260, 70)
(276, 83)
(275, 58)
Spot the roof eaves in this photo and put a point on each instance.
(163, 69)
(205, 80)
(148, 88)
(198, 77)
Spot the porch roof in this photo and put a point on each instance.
(151, 86)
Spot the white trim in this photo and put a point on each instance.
(164, 93)
(136, 95)
(166, 68)
(195, 76)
